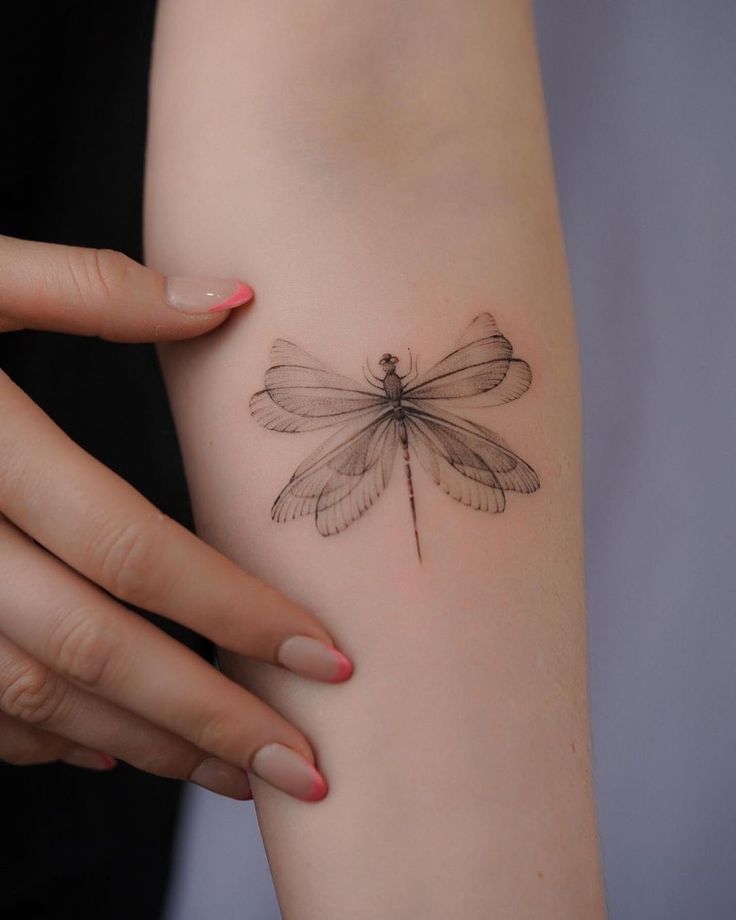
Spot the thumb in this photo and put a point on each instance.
(104, 293)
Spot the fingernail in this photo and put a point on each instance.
(206, 295)
(222, 778)
(90, 760)
(288, 771)
(313, 658)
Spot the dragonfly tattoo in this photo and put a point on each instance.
(339, 481)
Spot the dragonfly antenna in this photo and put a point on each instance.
(370, 371)
(413, 365)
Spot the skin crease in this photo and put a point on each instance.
(381, 174)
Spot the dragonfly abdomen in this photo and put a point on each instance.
(399, 416)
(404, 438)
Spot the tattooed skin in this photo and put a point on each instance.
(340, 480)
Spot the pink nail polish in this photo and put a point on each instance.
(319, 787)
(345, 665)
(206, 295)
(90, 760)
(314, 658)
(243, 294)
(288, 771)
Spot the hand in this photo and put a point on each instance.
(80, 674)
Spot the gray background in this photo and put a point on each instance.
(642, 104)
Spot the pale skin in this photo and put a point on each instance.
(82, 678)
(382, 173)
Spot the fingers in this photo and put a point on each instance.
(24, 745)
(47, 718)
(100, 526)
(104, 293)
(79, 633)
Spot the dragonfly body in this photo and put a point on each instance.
(393, 387)
(392, 384)
(344, 476)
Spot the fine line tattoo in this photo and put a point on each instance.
(340, 480)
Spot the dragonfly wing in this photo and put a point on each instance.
(479, 371)
(469, 462)
(347, 495)
(267, 412)
(342, 478)
(301, 393)
(455, 469)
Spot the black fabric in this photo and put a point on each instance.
(73, 79)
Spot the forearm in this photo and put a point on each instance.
(381, 174)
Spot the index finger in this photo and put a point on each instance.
(103, 292)
(99, 525)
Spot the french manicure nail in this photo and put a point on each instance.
(90, 760)
(288, 771)
(206, 295)
(222, 778)
(312, 658)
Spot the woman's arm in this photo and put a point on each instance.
(381, 173)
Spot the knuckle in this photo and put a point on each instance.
(82, 648)
(128, 559)
(214, 733)
(34, 694)
(97, 274)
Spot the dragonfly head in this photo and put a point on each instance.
(388, 362)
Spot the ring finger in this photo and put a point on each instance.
(49, 715)
(80, 633)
